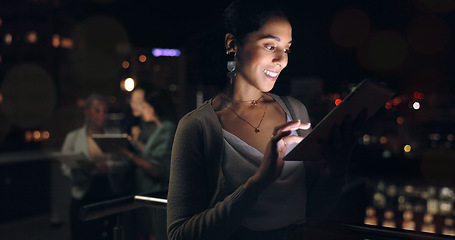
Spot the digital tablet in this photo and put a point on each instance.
(367, 95)
(111, 143)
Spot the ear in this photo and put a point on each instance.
(230, 43)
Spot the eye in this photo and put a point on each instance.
(287, 51)
(270, 48)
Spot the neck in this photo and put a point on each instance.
(94, 130)
(237, 95)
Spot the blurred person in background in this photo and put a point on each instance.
(135, 126)
(153, 162)
(101, 178)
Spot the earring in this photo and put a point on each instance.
(231, 66)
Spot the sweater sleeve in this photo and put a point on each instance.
(158, 150)
(189, 213)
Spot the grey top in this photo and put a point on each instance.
(196, 210)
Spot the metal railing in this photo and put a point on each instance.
(119, 206)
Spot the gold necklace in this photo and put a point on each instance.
(256, 129)
(254, 102)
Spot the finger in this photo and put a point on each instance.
(283, 128)
(279, 136)
(287, 126)
(305, 126)
(291, 139)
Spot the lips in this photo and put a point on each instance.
(270, 73)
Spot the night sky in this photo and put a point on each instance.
(406, 43)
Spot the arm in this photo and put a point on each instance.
(156, 157)
(79, 177)
(190, 215)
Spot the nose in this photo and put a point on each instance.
(281, 58)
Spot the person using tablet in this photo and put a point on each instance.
(135, 126)
(98, 180)
(153, 163)
(228, 179)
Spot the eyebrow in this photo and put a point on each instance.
(273, 37)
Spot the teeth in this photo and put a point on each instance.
(271, 74)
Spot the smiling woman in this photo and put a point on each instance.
(228, 178)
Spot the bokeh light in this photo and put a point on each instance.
(8, 39)
(385, 50)
(407, 148)
(56, 40)
(350, 27)
(338, 101)
(102, 43)
(129, 84)
(29, 95)
(32, 37)
(142, 58)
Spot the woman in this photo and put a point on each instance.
(228, 179)
(101, 178)
(153, 163)
(135, 125)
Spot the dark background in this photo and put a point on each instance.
(406, 44)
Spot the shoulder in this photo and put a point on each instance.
(75, 132)
(293, 102)
(290, 104)
(167, 127)
(199, 117)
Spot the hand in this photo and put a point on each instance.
(338, 149)
(122, 151)
(272, 163)
(135, 132)
(101, 166)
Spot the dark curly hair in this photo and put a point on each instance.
(243, 17)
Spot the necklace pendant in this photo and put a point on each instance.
(256, 130)
(254, 102)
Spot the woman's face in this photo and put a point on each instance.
(148, 113)
(264, 54)
(136, 102)
(97, 113)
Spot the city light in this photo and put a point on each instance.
(162, 52)
(418, 95)
(388, 105)
(67, 43)
(56, 40)
(338, 101)
(142, 58)
(128, 84)
(36, 136)
(407, 148)
(32, 37)
(8, 38)
(416, 105)
(125, 64)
